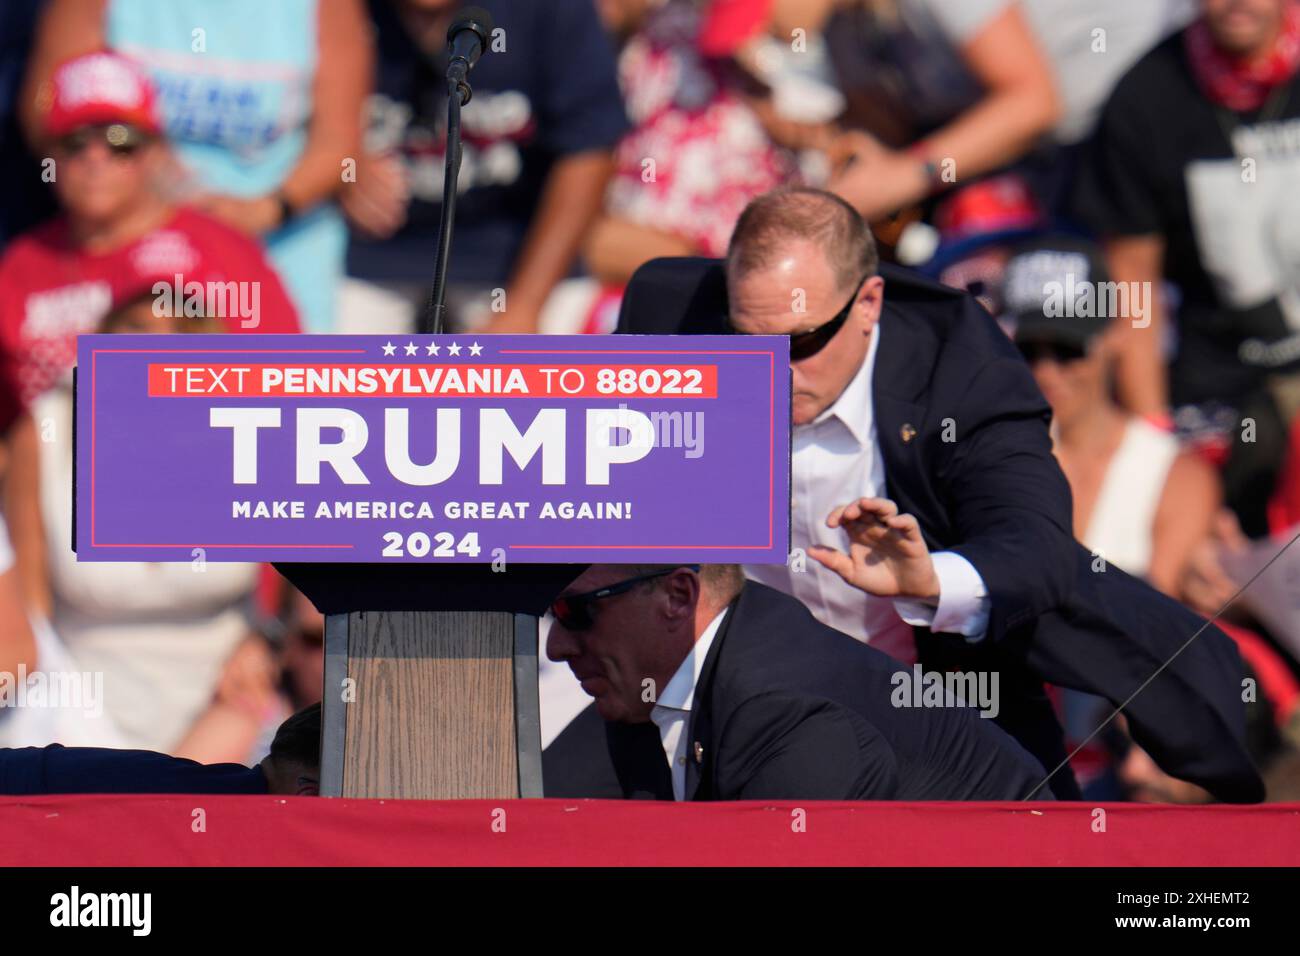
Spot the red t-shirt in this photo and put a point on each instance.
(50, 292)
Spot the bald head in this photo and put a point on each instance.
(802, 263)
(773, 221)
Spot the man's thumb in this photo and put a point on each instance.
(837, 561)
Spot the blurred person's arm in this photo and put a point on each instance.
(68, 28)
(1140, 375)
(377, 201)
(1118, 196)
(571, 199)
(22, 507)
(580, 118)
(345, 57)
(615, 248)
(222, 734)
(17, 644)
(244, 701)
(1019, 105)
(1184, 518)
(808, 15)
(1205, 587)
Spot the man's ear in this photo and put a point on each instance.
(681, 591)
(291, 778)
(871, 299)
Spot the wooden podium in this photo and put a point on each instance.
(431, 692)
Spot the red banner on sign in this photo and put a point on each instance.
(208, 380)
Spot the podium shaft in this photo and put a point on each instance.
(431, 705)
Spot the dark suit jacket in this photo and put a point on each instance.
(59, 769)
(787, 708)
(979, 475)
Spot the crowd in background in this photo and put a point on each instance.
(299, 145)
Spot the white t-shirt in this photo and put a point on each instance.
(1121, 527)
(1089, 43)
(159, 633)
(45, 713)
(1092, 43)
(959, 19)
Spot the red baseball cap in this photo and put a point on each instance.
(988, 212)
(998, 204)
(99, 89)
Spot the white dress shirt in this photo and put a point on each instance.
(837, 460)
(672, 711)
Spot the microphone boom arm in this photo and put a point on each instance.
(458, 94)
(468, 38)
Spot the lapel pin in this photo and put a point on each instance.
(907, 432)
(699, 752)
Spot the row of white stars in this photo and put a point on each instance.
(433, 348)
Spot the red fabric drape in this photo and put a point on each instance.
(301, 831)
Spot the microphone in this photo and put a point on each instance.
(467, 39)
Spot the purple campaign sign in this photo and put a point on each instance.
(530, 449)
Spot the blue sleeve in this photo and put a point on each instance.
(580, 106)
(58, 769)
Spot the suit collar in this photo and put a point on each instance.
(905, 359)
(700, 725)
(679, 692)
(899, 399)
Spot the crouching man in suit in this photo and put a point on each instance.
(708, 687)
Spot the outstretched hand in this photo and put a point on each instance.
(887, 555)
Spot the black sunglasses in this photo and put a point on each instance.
(573, 611)
(1058, 352)
(121, 139)
(806, 344)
